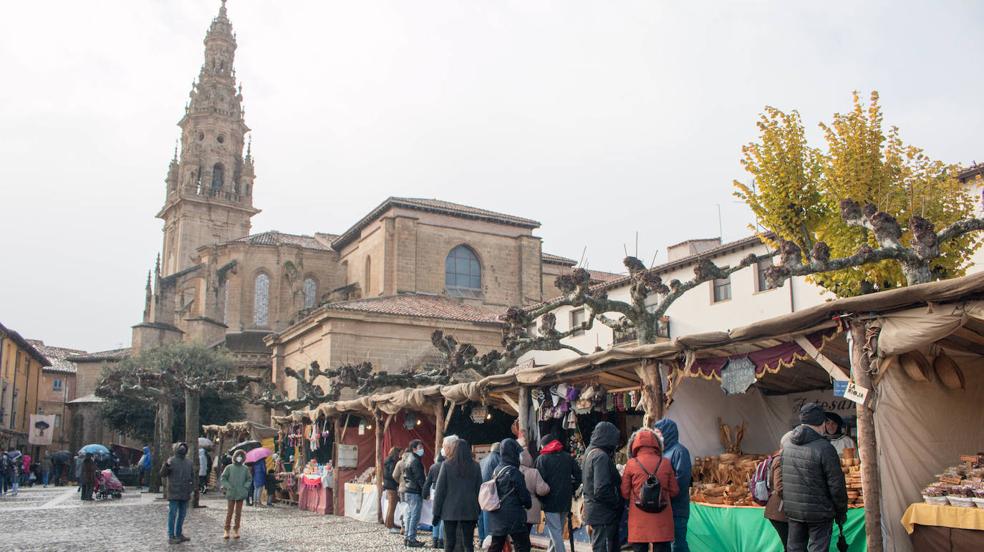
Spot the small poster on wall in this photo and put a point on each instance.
(42, 428)
(348, 456)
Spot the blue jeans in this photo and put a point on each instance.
(176, 511)
(680, 534)
(257, 493)
(555, 529)
(481, 527)
(413, 514)
(438, 532)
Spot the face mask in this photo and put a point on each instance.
(419, 452)
(238, 459)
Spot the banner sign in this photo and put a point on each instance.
(41, 430)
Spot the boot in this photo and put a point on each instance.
(235, 533)
(225, 534)
(413, 543)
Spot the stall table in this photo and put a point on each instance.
(932, 527)
(361, 501)
(314, 498)
(715, 528)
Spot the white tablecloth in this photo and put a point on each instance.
(426, 513)
(360, 502)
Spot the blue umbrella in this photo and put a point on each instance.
(94, 449)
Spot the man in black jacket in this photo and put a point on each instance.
(814, 493)
(563, 475)
(602, 489)
(413, 476)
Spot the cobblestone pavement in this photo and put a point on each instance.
(55, 519)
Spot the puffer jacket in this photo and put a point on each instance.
(602, 482)
(514, 499)
(813, 487)
(561, 473)
(178, 470)
(646, 458)
(534, 484)
(679, 458)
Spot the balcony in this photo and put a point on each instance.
(632, 336)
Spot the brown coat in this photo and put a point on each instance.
(534, 484)
(646, 526)
(773, 508)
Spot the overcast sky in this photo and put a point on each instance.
(599, 119)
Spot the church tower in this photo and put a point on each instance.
(209, 181)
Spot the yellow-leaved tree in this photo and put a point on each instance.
(834, 213)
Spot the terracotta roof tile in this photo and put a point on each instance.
(24, 344)
(274, 237)
(422, 306)
(112, 354)
(57, 355)
(432, 206)
(557, 259)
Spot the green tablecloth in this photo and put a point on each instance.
(716, 529)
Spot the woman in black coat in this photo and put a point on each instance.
(514, 499)
(456, 497)
(390, 486)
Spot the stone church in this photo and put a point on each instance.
(375, 291)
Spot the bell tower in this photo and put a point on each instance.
(209, 182)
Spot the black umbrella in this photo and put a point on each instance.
(245, 446)
(63, 456)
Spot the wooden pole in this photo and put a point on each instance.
(524, 415)
(192, 403)
(438, 427)
(335, 504)
(380, 431)
(870, 477)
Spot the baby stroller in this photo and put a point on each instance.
(107, 485)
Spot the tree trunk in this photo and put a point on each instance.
(652, 387)
(162, 441)
(336, 492)
(192, 404)
(870, 477)
(438, 427)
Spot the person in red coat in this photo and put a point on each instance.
(645, 528)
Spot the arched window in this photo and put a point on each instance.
(310, 292)
(461, 269)
(368, 275)
(217, 178)
(261, 300)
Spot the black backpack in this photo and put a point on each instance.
(651, 498)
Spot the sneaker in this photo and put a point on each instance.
(174, 540)
(394, 530)
(183, 538)
(413, 543)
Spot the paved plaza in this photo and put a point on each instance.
(55, 519)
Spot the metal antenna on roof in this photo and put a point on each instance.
(637, 245)
(583, 253)
(653, 263)
(720, 224)
(625, 249)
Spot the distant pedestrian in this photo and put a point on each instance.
(648, 527)
(46, 469)
(413, 474)
(6, 472)
(391, 488)
(271, 486)
(814, 493)
(456, 497)
(204, 461)
(447, 445)
(143, 467)
(235, 482)
(602, 488)
(509, 521)
(679, 458)
(87, 476)
(401, 489)
(16, 462)
(179, 472)
(563, 475)
(488, 465)
(259, 481)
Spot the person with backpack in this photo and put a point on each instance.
(488, 465)
(562, 475)
(648, 483)
(814, 493)
(679, 458)
(508, 519)
(773, 506)
(456, 497)
(413, 475)
(602, 488)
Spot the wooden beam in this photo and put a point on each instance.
(336, 508)
(512, 403)
(380, 430)
(447, 419)
(438, 427)
(970, 335)
(523, 413)
(831, 368)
